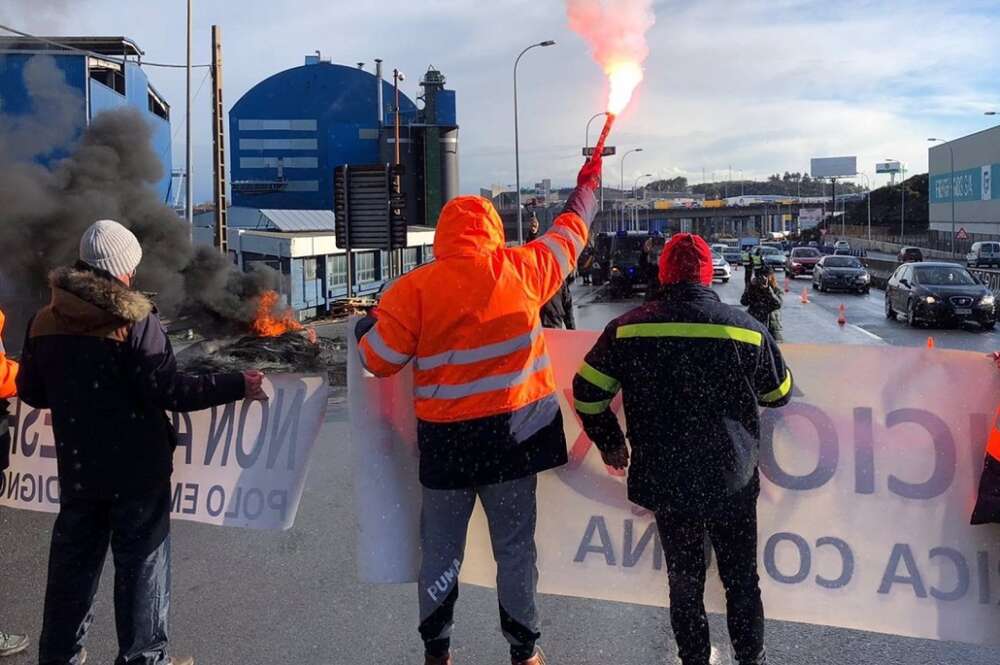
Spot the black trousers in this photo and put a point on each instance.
(138, 531)
(732, 529)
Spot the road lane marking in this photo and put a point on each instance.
(869, 333)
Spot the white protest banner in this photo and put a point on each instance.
(242, 464)
(868, 481)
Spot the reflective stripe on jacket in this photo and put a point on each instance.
(692, 372)
(470, 323)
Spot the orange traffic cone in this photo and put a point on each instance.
(842, 317)
(930, 342)
(805, 296)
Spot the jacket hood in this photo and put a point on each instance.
(85, 301)
(468, 225)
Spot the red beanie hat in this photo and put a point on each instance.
(686, 258)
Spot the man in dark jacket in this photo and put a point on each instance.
(10, 644)
(558, 311)
(693, 372)
(99, 359)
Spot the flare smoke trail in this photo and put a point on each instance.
(108, 173)
(615, 30)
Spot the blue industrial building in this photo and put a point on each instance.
(290, 131)
(108, 75)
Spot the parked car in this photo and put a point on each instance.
(801, 261)
(770, 256)
(910, 255)
(720, 267)
(984, 255)
(939, 293)
(841, 244)
(843, 273)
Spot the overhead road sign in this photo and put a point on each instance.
(608, 150)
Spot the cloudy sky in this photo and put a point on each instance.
(759, 85)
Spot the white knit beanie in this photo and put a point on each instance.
(111, 247)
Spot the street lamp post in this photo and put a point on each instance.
(517, 155)
(622, 179)
(586, 144)
(635, 196)
(951, 187)
(868, 196)
(188, 184)
(902, 201)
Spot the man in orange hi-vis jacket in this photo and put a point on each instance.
(9, 644)
(485, 398)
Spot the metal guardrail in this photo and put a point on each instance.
(990, 278)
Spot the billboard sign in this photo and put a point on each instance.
(833, 167)
(888, 167)
(809, 218)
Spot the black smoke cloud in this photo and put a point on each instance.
(107, 174)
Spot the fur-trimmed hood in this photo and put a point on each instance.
(84, 302)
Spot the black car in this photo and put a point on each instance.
(844, 273)
(939, 292)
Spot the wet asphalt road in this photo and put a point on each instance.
(246, 597)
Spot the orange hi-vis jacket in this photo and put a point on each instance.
(470, 323)
(987, 509)
(8, 368)
(471, 318)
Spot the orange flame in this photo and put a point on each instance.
(270, 321)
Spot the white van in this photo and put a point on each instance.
(984, 254)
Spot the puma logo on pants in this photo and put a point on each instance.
(443, 583)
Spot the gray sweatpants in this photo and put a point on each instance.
(444, 521)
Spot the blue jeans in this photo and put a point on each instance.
(138, 532)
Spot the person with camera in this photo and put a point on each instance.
(763, 299)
